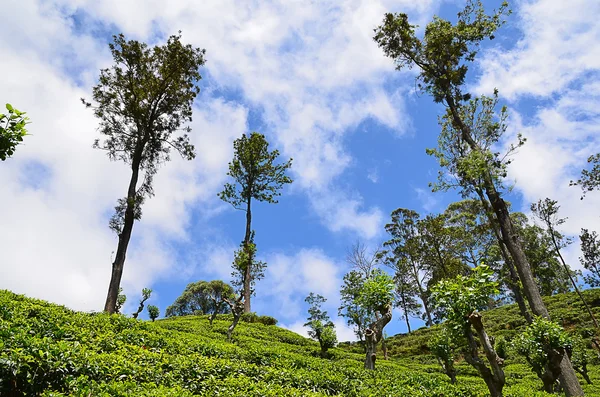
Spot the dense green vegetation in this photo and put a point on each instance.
(49, 350)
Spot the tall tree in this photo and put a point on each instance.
(547, 211)
(12, 131)
(256, 176)
(141, 102)
(470, 127)
(590, 179)
(590, 248)
(405, 246)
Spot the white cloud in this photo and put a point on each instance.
(560, 44)
(373, 175)
(343, 332)
(428, 201)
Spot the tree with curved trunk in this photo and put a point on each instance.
(377, 295)
(256, 176)
(470, 127)
(201, 297)
(145, 296)
(460, 300)
(141, 102)
(236, 307)
(356, 316)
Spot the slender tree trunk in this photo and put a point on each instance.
(495, 361)
(422, 294)
(140, 308)
(247, 277)
(569, 379)
(125, 235)
(513, 282)
(373, 334)
(568, 270)
(237, 309)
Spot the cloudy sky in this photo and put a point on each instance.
(308, 75)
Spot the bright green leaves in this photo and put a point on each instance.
(12, 131)
(255, 173)
(458, 298)
(377, 293)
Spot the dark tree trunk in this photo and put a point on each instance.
(569, 379)
(497, 373)
(140, 308)
(584, 372)
(373, 334)
(247, 276)
(125, 235)
(403, 303)
(494, 383)
(237, 309)
(513, 282)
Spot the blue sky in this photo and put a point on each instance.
(308, 76)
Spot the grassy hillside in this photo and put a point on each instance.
(48, 350)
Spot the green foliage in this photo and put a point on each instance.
(590, 248)
(141, 101)
(146, 292)
(121, 299)
(444, 348)
(255, 174)
(201, 297)
(460, 297)
(377, 292)
(12, 131)
(153, 312)
(320, 326)
(590, 179)
(243, 257)
(543, 344)
(356, 315)
(502, 346)
(255, 318)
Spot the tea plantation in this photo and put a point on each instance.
(49, 350)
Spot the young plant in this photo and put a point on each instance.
(121, 299)
(460, 300)
(320, 326)
(544, 344)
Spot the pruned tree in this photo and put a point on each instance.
(544, 344)
(470, 127)
(590, 179)
(377, 296)
(153, 312)
(547, 212)
(141, 102)
(361, 259)
(12, 131)
(590, 248)
(146, 292)
(321, 328)
(201, 297)
(460, 301)
(255, 176)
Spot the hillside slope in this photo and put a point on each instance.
(48, 350)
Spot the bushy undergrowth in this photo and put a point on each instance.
(48, 350)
